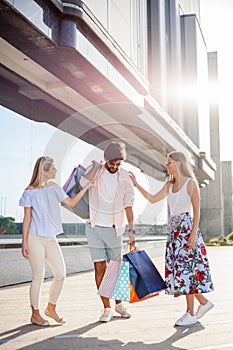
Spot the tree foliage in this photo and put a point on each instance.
(8, 226)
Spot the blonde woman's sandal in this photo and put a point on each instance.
(42, 322)
(54, 316)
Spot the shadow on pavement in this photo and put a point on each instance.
(15, 333)
(76, 339)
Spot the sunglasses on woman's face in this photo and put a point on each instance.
(169, 162)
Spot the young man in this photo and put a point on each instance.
(110, 199)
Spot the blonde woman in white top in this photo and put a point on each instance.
(41, 201)
(186, 264)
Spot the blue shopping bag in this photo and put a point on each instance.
(122, 287)
(144, 276)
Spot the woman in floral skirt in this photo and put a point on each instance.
(187, 269)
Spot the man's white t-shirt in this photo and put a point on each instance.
(107, 197)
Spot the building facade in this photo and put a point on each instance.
(133, 70)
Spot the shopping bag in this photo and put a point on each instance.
(145, 277)
(92, 171)
(72, 187)
(140, 286)
(134, 297)
(122, 287)
(69, 180)
(109, 280)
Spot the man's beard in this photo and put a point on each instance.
(112, 170)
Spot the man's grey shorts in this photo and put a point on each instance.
(103, 243)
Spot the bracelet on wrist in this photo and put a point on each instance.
(131, 230)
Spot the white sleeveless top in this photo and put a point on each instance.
(180, 202)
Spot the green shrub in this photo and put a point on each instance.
(221, 241)
(214, 241)
(230, 237)
(7, 226)
(212, 244)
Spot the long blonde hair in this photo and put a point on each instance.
(185, 166)
(42, 164)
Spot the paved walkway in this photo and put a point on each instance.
(150, 328)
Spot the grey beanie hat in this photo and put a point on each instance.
(115, 150)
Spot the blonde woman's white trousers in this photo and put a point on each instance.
(41, 250)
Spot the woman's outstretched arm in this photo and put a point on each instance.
(152, 198)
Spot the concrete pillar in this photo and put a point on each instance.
(157, 65)
(189, 71)
(212, 199)
(174, 61)
(227, 187)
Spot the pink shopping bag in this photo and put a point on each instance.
(110, 278)
(65, 187)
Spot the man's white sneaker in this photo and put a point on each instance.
(122, 310)
(203, 309)
(107, 315)
(186, 320)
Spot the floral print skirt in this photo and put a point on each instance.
(186, 271)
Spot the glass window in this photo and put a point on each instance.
(100, 10)
(36, 14)
(119, 23)
(126, 22)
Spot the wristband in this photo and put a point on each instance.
(131, 230)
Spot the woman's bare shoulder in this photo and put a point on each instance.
(192, 184)
(51, 183)
(30, 188)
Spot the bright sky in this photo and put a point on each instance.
(217, 27)
(18, 154)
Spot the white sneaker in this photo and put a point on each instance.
(107, 315)
(122, 310)
(203, 309)
(186, 320)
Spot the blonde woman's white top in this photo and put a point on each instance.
(45, 204)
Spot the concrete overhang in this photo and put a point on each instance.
(59, 85)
